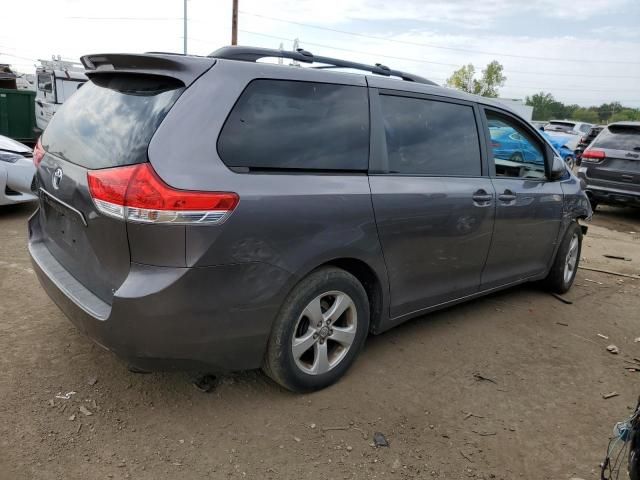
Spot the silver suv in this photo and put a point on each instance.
(218, 213)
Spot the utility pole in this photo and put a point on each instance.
(234, 23)
(184, 18)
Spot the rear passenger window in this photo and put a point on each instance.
(281, 124)
(427, 137)
(515, 152)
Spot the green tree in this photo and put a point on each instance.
(585, 115)
(545, 107)
(487, 85)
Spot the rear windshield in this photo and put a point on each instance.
(619, 137)
(562, 126)
(110, 120)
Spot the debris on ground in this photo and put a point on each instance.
(483, 434)
(481, 378)
(205, 383)
(603, 336)
(613, 349)
(608, 272)
(607, 396)
(72, 417)
(66, 396)
(561, 298)
(92, 380)
(85, 411)
(592, 281)
(379, 440)
(636, 340)
(466, 456)
(563, 324)
(470, 414)
(617, 257)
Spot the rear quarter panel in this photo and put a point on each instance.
(293, 221)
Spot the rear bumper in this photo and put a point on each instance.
(214, 319)
(613, 195)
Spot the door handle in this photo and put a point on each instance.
(481, 198)
(507, 196)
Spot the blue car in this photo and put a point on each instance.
(559, 142)
(508, 144)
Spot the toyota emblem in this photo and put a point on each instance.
(56, 178)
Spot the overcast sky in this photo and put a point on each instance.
(585, 51)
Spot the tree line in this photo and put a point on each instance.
(545, 106)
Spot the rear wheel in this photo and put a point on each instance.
(319, 331)
(565, 265)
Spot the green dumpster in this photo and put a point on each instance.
(17, 114)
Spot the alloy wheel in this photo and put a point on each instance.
(324, 332)
(571, 261)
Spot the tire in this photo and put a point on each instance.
(308, 304)
(594, 204)
(571, 162)
(562, 275)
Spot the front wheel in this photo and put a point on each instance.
(571, 162)
(319, 331)
(565, 266)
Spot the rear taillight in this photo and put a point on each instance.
(136, 193)
(594, 156)
(38, 153)
(496, 144)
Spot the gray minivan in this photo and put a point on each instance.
(221, 213)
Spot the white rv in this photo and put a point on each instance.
(56, 81)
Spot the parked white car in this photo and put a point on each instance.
(16, 172)
(568, 128)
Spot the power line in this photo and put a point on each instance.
(354, 51)
(127, 18)
(576, 88)
(429, 45)
(18, 56)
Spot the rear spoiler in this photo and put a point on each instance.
(187, 69)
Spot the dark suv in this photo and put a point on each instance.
(611, 165)
(218, 213)
(586, 140)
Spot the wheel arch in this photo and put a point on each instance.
(374, 285)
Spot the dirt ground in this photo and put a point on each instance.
(540, 416)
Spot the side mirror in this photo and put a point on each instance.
(558, 168)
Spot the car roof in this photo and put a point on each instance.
(625, 123)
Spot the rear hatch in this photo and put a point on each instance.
(614, 157)
(106, 124)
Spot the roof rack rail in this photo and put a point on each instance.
(253, 54)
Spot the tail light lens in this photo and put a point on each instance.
(594, 156)
(496, 144)
(136, 193)
(38, 153)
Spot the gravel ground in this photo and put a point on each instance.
(508, 386)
